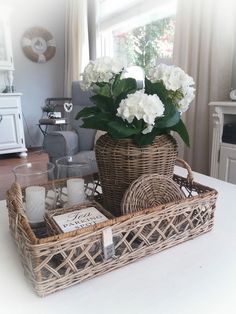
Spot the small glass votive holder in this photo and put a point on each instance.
(37, 183)
(78, 184)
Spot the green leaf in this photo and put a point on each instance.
(180, 128)
(104, 90)
(86, 112)
(119, 129)
(119, 98)
(100, 84)
(157, 88)
(138, 123)
(121, 91)
(127, 86)
(97, 122)
(171, 117)
(103, 102)
(116, 80)
(148, 87)
(146, 139)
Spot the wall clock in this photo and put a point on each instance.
(38, 44)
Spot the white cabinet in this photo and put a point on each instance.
(12, 138)
(227, 167)
(223, 155)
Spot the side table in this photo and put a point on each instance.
(45, 123)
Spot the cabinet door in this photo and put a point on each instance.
(227, 168)
(10, 132)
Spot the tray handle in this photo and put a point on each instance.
(188, 168)
(15, 201)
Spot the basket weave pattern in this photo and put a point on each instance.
(150, 190)
(120, 162)
(56, 262)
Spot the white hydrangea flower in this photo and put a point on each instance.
(100, 70)
(141, 106)
(183, 104)
(174, 79)
(148, 129)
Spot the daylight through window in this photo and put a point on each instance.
(142, 35)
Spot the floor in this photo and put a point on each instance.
(7, 162)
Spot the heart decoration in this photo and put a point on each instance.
(68, 107)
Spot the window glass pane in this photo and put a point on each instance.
(138, 32)
(146, 44)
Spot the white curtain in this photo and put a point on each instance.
(204, 48)
(76, 41)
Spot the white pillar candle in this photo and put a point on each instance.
(35, 203)
(75, 191)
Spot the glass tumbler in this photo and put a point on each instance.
(78, 186)
(37, 183)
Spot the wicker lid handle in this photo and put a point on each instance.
(188, 168)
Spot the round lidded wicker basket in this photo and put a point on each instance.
(148, 191)
(120, 162)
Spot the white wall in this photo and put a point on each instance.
(37, 81)
(234, 67)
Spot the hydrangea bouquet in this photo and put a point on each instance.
(123, 111)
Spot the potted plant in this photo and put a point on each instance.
(48, 108)
(138, 122)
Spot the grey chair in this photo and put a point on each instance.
(76, 140)
(79, 140)
(80, 100)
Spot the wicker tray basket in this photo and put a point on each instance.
(51, 263)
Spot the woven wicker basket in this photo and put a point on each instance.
(150, 190)
(52, 263)
(120, 162)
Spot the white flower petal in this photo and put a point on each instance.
(174, 79)
(142, 107)
(148, 129)
(101, 70)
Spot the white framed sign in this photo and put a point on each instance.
(79, 219)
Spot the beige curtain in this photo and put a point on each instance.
(204, 48)
(76, 41)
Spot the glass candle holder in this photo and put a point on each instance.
(79, 184)
(37, 182)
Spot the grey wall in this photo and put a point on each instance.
(37, 81)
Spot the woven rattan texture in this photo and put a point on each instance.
(150, 190)
(120, 162)
(56, 262)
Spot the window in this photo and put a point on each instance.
(138, 32)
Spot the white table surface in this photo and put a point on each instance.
(198, 276)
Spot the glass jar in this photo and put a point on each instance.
(38, 189)
(78, 183)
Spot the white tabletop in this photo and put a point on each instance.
(198, 276)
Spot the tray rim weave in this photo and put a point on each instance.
(36, 254)
(109, 223)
